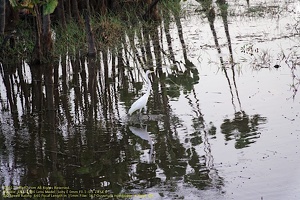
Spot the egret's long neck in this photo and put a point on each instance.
(149, 88)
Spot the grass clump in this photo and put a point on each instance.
(108, 30)
(17, 45)
(69, 40)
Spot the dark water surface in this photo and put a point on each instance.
(214, 129)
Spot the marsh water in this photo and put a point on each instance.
(222, 120)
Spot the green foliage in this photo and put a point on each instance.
(108, 30)
(171, 6)
(23, 44)
(13, 3)
(27, 4)
(49, 7)
(83, 170)
(69, 40)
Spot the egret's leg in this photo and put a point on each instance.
(140, 113)
(145, 109)
(139, 116)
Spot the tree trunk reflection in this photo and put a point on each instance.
(73, 115)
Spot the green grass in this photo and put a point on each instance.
(69, 40)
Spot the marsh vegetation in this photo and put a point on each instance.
(222, 118)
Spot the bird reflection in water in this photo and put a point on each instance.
(144, 134)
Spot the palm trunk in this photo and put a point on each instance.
(68, 10)
(61, 13)
(2, 16)
(75, 12)
(37, 52)
(43, 44)
(47, 40)
(89, 32)
(152, 12)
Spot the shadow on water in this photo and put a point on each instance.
(65, 124)
(242, 127)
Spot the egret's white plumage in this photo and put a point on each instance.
(142, 101)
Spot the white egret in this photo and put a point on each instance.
(142, 101)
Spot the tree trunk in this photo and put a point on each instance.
(37, 52)
(47, 40)
(68, 10)
(75, 12)
(152, 11)
(103, 7)
(43, 44)
(2, 17)
(61, 13)
(89, 32)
